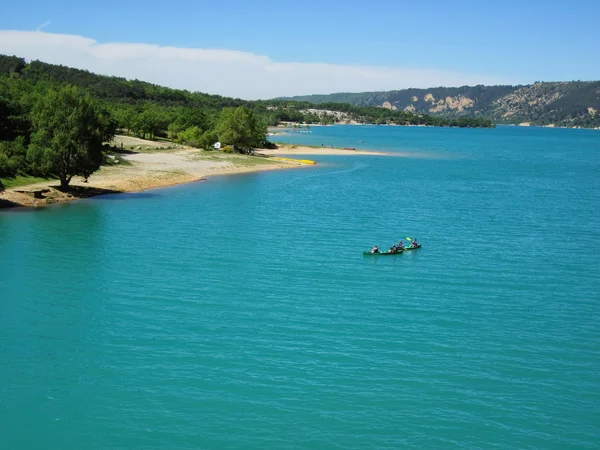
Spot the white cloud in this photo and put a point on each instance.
(225, 72)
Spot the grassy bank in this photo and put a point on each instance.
(25, 180)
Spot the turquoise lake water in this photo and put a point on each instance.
(240, 312)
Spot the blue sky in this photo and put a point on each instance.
(510, 41)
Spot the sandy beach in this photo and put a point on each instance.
(150, 164)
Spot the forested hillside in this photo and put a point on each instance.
(570, 104)
(55, 121)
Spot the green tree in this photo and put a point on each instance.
(13, 116)
(13, 157)
(241, 128)
(145, 123)
(124, 117)
(174, 131)
(69, 131)
(192, 136)
(208, 139)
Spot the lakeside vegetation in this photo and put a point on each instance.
(56, 121)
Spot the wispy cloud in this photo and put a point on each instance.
(44, 25)
(226, 72)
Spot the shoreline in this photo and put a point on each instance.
(137, 177)
(160, 168)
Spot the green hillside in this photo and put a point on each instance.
(127, 98)
(570, 104)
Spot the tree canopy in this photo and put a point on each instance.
(240, 128)
(69, 132)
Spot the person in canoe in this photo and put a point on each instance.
(375, 249)
(393, 249)
(414, 243)
(400, 245)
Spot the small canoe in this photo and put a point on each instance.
(412, 248)
(382, 253)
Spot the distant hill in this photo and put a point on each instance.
(569, 104)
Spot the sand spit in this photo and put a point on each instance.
(304, 150)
